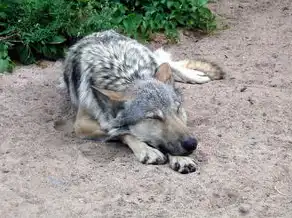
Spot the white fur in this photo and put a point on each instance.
(181, 74)
(143, 152)
(61, 84)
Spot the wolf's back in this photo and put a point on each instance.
(106, 60)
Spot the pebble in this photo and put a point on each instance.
(244, 208)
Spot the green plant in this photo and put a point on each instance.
(33, 29)
(6, 64)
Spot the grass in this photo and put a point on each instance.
(34, 29)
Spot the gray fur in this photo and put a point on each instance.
(153, 111)
(106, 60)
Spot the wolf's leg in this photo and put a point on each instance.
(86, 127)
(184, 74)
(190, 71)
(182, 164)
(144, 153)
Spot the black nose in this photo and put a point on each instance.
(190, 144)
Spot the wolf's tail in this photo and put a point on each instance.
(191, 71)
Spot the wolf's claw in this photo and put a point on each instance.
(182, 164)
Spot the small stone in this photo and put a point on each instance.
(244, 208)
(250, 100)
(187, 33)
(219, 135)
(167, 198)
(231, 195)
(243, 89)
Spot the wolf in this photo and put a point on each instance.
(124, 91)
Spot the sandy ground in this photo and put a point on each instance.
(244, 124)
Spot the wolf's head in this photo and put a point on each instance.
(152, 111)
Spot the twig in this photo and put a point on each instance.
(281, 193)
(14, 33)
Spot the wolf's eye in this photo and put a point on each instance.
(156, 117)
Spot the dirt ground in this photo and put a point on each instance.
(244, 126)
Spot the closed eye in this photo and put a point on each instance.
(155, 116)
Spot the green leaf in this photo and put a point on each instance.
(132, 22)
(4, 65)
(117, 20)
(3, 50)
(169, 4)
(57, 40)
(3, 15)
(152, 24)
(176, 5)
(202, 2)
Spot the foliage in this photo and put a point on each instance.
(5, 62)
(33, 29)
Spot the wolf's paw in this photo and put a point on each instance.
(150, 155)
(198, 77)
(182, 164)
(210, 69)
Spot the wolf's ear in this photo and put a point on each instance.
(111, 95)
(164, 73)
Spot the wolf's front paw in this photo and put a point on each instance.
(182, 164)
(149, 155)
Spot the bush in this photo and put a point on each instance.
(33, 29)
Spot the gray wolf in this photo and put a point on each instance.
(122, 90)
